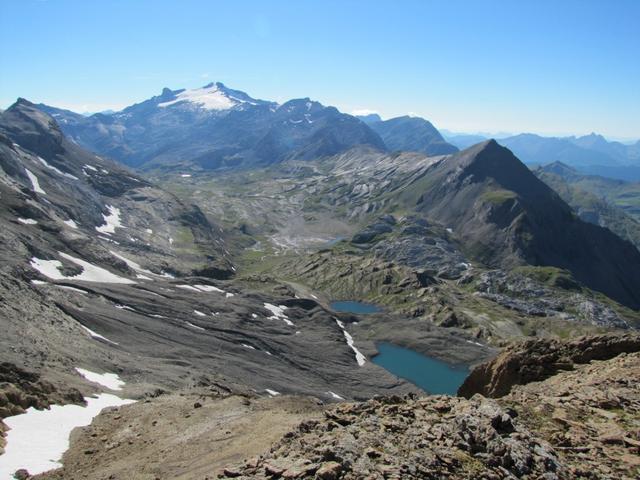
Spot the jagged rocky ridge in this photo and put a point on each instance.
(537, 360)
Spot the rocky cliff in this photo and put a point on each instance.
(537, 360)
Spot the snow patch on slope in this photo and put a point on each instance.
(109, 380)
(34, 182)
(37, 439)
(70, 223)
(278, 313)
(58, 171)
(112, 221)
(97, 335)
(90, 272)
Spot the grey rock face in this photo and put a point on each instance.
(520, 293)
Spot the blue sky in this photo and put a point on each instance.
(551, 67)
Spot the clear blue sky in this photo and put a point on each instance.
(552, 67)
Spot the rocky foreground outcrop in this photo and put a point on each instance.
(536, 360)
(433, 437)
(583, 423)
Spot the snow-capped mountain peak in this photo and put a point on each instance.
(214, 96)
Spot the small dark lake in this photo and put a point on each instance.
(431, 375)
(354, 307)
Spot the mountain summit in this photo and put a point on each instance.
(506, 217)
(214, 96)
(412, 134)
(215, 127)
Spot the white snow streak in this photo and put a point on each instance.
(34, 182)
(72, 289)
(70, 223)
(335, 395)
(208, 288)
(360, 358)
(195, 326)
(28, 221)
(188, 287)
(133, 265)
(59, 172)
(90, 272)
(97, 335)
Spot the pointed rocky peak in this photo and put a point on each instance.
(22, 102)
(302, 105)
(592, 140)
(490, 162)
(560, 168)
(24, 118)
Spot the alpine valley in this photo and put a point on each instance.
(178, 262)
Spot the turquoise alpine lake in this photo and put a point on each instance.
(354, 307)
(431, 375)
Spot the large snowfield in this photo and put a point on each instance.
(37, 439)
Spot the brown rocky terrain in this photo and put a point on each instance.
(579, 424)
(583, 423)
(590, 416)
(538, 359)
(184, 435)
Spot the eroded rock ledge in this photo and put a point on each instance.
(536, 360)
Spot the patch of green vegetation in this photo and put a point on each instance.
(498, 197)
(550, 276)
(184, 241)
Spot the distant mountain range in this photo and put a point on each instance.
(215, 127)
(590, 154)
(622, 194)
(601, 201)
